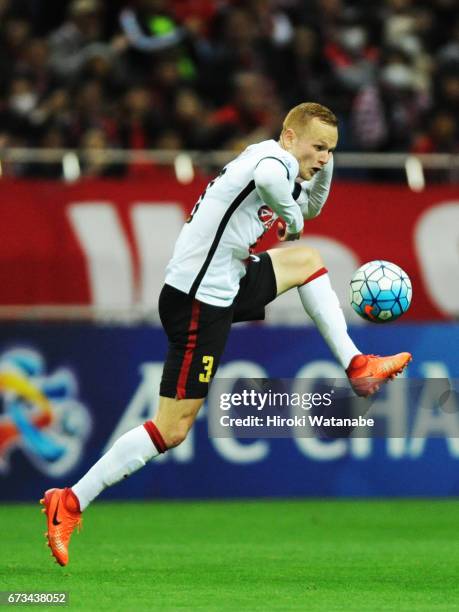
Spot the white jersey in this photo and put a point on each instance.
(228, 219)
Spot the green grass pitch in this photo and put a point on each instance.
(254, 555)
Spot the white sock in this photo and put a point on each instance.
(322, 305)
(127, 455)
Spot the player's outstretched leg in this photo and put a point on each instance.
(303, 267)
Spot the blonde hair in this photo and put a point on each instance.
(299, 116)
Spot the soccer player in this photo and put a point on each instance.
(213, 280)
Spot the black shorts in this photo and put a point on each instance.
(197, 332)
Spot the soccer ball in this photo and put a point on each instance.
(380, 291)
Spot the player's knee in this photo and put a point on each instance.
(309, 261)
(177, 434)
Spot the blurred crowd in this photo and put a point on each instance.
(220, 74)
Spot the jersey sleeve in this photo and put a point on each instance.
(314, 193)
(271, 178)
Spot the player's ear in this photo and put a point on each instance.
(289, 136)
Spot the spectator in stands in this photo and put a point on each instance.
(22, 96)
(169, 140)
(253, 114)
(92, 110)
(309, 76)
(14, 35)
(104, 64)
(139, 121)
(408, 29)
(69, 43)
(150, 29)
(353, 60)
(34, 63)
(15, 32)
(273, 23)
(192, 121)
(166, 81)
(386, 113)
(149, 26)
(447, 89)
(196, 15)
(237, 47)
(220, 74)
(94, 162)
(52, 138)
(21, 100)
(399, 21)
(324, 16)
(440, 136)
(54, 111)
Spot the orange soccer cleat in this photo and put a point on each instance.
(367, 373)
(61, 521)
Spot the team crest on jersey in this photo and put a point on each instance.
(266, 216)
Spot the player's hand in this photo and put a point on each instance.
(284, 236)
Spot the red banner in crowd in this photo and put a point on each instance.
(106, 243)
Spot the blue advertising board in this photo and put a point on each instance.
(69, 390)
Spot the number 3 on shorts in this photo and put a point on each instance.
(208, 362)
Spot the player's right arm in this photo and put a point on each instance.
(273, 187)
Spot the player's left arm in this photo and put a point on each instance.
(312, 195)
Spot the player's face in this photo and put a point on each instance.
(312, 147)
